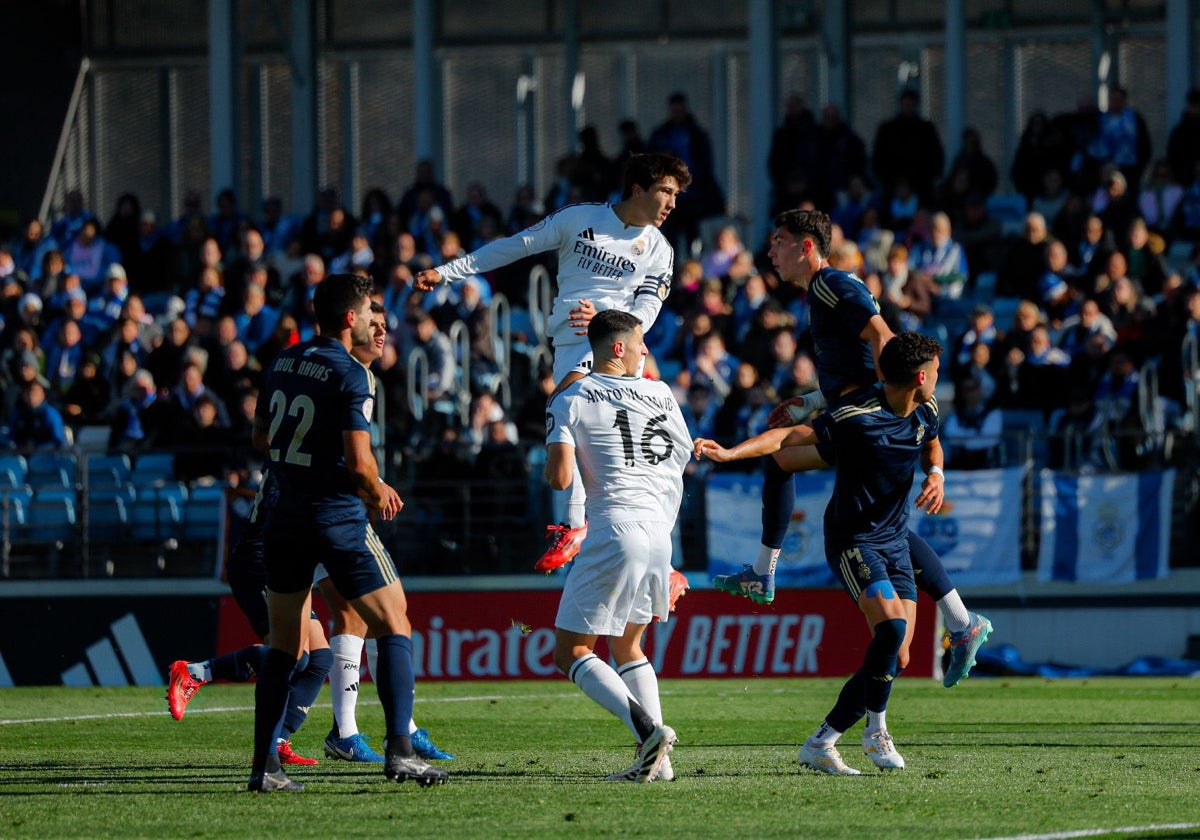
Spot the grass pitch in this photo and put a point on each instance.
(991, 758)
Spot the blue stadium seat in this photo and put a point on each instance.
(152, 467)
(107, 472)
(49, 520)
(107, 519)
(12, 470)
(18, 499)
(50, 469)
(202, 514)
(155, 518)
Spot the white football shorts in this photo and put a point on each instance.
(621, 576)
(572, 357)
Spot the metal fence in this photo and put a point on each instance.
(141, 125)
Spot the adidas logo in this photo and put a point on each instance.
(127, 662)
(587, 234)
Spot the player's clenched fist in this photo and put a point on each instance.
(426, 280)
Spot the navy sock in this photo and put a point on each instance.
(395, 683)
(778, 499)
(880, 662)
(241, 665)
(931, 575)
(306, 685)
(270, 698)
(850, 706)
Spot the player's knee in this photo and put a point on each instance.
(889, 635)
(566, 652)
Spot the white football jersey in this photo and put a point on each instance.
(599, 259)
(631, 445)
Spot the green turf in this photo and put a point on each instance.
(990, 758)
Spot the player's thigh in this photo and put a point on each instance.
(344, 619)
(864, 575)
(572, 358)
(290, 620)
(620, 575)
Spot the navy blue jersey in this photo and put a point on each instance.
(877, 454)
(312, 393)
(840, 305)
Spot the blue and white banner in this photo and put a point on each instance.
(1105, 528)
(977, 534)
(735, 527)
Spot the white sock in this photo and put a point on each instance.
(954, 612)
(825, 736)
(200, 670)
(600, 682)
(764, 564)
(575, 503)
(642, 682)
(876, 722)
(343, 682)
(412, 726)
(372, 658)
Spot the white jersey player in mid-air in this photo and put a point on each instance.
(631, 444)
(610, 256)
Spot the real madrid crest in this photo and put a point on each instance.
(639, 247)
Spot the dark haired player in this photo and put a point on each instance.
(849, 335)
(879, 434)
(626, 438)
(313, 421)
(610, 256)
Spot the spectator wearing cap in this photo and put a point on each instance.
(29, 312)
(34, 424)
(106, 307)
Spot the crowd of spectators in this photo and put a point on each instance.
(159, 329)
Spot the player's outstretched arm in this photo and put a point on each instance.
(767, 443)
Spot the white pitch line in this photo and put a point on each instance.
(1100, 832)
(222, 709)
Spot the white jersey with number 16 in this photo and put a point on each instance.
(631, 445)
